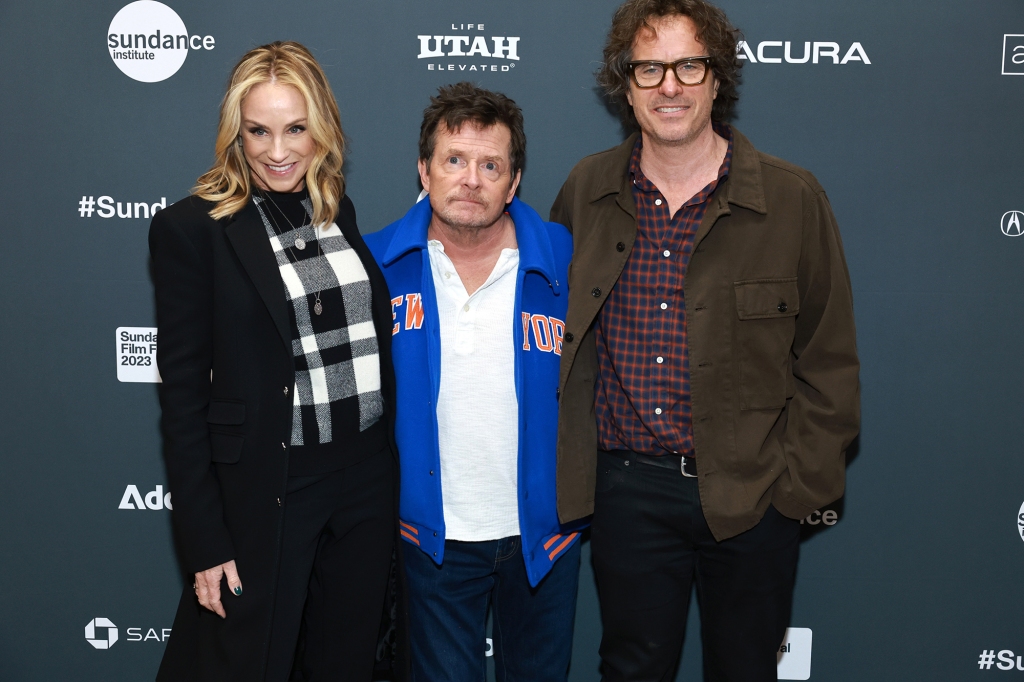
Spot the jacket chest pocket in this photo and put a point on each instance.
(224, 421)
(767, 310)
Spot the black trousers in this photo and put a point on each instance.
(650, 543)
(339, 533)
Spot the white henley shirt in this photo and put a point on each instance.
(477, 410)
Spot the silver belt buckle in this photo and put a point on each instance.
(682, 468)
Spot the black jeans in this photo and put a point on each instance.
(339, 533)
(650, 543)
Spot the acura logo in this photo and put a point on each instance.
(1012, 223)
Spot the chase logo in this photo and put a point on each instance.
(148, 41)
(95, 634)
(1012, 223)
(1013, 54)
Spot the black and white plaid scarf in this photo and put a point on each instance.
(337, 368)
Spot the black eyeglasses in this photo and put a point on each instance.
(689, 71)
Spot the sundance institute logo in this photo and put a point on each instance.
(94, 633)
(148, 41)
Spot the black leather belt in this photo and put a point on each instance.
(687, 466)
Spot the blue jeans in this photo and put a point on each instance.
(448, 613)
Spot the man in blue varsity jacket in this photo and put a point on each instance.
(477, 281)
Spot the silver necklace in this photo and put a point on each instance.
(300, 243)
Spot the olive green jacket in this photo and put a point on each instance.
(774, 385)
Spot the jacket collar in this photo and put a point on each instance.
(249, 239)
(535, 253)
(744, 186)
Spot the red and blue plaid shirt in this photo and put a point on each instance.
(643, 385)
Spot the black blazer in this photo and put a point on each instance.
(225, 358)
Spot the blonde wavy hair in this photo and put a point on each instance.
(228, 183)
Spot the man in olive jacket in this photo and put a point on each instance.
(709, 375)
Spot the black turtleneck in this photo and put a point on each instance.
(285, 209)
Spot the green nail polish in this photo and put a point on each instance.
(238, 591)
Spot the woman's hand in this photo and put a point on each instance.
(207, 586)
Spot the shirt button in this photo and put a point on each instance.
(447, 275)
(783, 307)
(466, 307)
(620, 247)
(568, 337)
(657, 410)
(595, 292)
(666, 253)
(657, 202)
(664, 306)
(660, 360)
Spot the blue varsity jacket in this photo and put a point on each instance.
(539, 322)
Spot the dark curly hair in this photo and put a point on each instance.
(461, 103)
(714, 31)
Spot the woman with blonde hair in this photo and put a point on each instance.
(278, 393)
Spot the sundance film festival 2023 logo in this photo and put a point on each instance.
(148, 41)
(794, 656)
(136, 355)
(471, 52)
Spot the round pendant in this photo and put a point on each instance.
(300, 243)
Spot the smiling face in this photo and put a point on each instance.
(469, 177)
(275, 141)
(671, 114)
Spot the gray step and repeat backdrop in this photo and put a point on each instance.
(910, 113)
